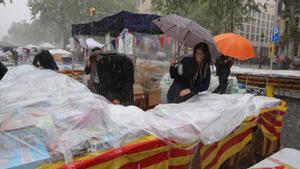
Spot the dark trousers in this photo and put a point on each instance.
(223, 83)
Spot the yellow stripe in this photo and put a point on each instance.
(242, 128)
(161, 165)
(232, 151)
(177, 161)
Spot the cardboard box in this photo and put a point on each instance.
(153, 96)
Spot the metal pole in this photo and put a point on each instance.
(275, 24)
(262, 36)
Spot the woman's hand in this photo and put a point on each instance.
(184, 92)
(116, 101)
(173, 60)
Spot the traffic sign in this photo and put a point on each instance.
(275, 34)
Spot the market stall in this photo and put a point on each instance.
(91, 132)
(268, 80)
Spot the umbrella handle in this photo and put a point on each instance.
(182, 43)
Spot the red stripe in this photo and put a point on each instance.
(176, 152)
(208, 151)
(227, 145)
(272, 120)
(155, 159)
(117, 152)
(269, 127)
(185, 166)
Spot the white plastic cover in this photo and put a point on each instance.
(67, 117)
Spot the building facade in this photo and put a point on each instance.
(259, 28)
(289, 13)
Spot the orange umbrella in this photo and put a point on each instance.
(235, 46)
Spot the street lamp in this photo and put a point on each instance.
(262, 36)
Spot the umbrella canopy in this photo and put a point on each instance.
(30, 46)
(91, 43)
(60, 52)
(235, 46)
(115, 24)
(186, 31)
(46, 46)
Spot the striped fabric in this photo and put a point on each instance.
(152, 153)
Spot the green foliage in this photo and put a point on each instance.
(62, 13)
(216, 15)
(23, 33)
(179, 7)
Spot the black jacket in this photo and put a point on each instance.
(3, 70)
(116, 77)
(191, 77)
(45, 60)
(222, 68)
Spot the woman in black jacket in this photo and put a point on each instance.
(191, 75)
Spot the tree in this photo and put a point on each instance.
(216, 15)
(292, 33)
(23, 33)
(64, 13)
(179, 7)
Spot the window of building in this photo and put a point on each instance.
(268, 24)
(248, 28)
(242, 28)
(252, 37)
(259, 14)
(264, 15)
(247, 35)
(257, 37)
(268, 18)
(263, 24)
(257, 30)
(262, 30)
(252, 29)
(258, 23)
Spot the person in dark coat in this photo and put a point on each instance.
(116, 78)
(45, 60)
(3, 70)
(91, 69)
(191, 75)
(223, 65)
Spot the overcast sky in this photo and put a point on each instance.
(10, 13)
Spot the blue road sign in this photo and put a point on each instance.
(275, 34)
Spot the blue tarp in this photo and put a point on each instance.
(115, 24)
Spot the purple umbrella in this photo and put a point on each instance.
(187, 32)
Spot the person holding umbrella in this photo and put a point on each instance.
(191, 75)
(223, 65)
(230, 46)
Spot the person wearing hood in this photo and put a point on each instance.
(45, 60)
(191, 75)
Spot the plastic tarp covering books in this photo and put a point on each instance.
(47, 117)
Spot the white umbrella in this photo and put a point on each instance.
(91, 43)
(46, 46)
(30, 46)
(60, 52)
(186, 31)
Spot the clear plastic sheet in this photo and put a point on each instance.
(56, 118)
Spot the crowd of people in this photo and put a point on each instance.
(112, 74)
